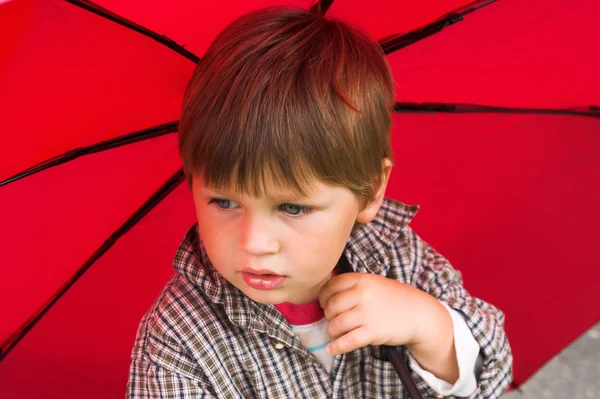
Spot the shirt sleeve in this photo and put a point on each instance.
(467, 351)
(435, 275)
(150, 381)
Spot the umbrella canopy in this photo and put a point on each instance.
(495, 122)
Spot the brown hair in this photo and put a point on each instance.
(287, 92)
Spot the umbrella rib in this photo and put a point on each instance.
(322, 6)
(150, 204)
(164, 40)
(131, 138)
(409, 107)
(103, 12)
(395, 42)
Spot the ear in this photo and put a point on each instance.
(371, 209)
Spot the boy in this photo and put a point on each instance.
(285, 141)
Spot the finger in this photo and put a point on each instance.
(341, 302)
(338, 283)
(355, 339)
(344, 323)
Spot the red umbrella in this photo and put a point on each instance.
(495, 121)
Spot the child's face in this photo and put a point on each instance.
(279, 236)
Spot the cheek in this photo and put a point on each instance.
(216, 238)
(335, 228)
(321, 247)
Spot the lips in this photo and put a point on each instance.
(260, 272)
(262, 279)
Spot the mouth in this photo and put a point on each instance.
(261, 272)
(262, 279)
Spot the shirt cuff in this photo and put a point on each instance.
(467, 350)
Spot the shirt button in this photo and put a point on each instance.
(279, 345)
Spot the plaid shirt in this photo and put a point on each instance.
(203, 338)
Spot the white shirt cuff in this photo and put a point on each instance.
(467, 350)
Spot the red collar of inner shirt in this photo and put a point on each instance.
(302, 314)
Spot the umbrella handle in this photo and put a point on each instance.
(400, 366)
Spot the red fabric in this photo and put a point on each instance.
(511, 53)
(53, 225)
(511, 200)
(301, 314)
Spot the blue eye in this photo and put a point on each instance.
(296, 210)
(222, 203)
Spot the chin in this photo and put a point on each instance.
(267, 297)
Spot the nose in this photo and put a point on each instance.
(257, 237)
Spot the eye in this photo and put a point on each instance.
(222, 203)
(296, 210)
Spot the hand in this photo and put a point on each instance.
(367, 309)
